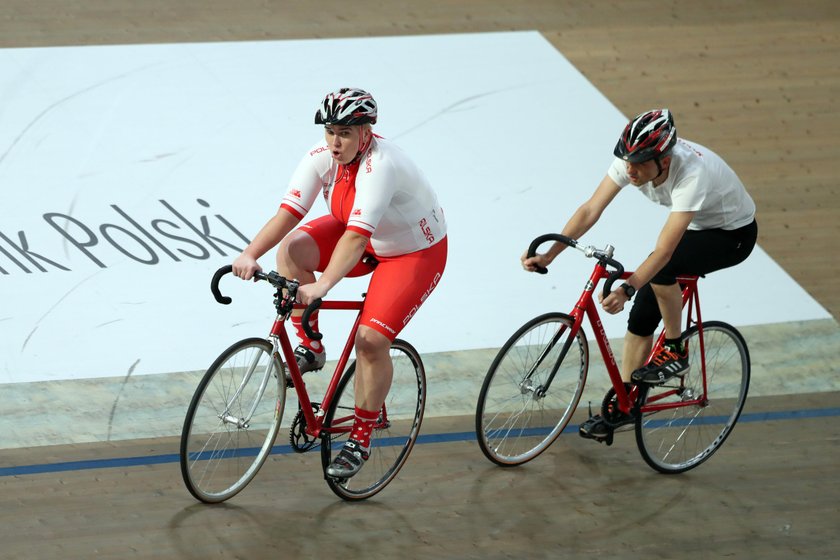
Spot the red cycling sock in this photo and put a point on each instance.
(297, 323)
(363, 426)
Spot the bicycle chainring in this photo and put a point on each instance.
(301, 441)
(609, 407)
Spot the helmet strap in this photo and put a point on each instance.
(363, 144)
(659, 167)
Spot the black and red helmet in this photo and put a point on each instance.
(647, 137)
(347, 106)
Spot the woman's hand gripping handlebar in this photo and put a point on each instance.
(603, 255)
(290, 287)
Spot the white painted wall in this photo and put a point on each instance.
(140, 143)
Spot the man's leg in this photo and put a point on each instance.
(672, 359)
(374, 372)
(669, 299)
(298, 257)
(636, 351)
(398, 287)
(374, 369)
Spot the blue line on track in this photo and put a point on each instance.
(422, 439)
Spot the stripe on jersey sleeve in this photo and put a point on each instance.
(359, 229)
(295, 210)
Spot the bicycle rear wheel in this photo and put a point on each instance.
(395, 432)
(232, 420)
(515, 419)
(680, 425)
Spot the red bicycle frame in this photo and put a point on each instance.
(691, 301)
(314, 421)
(587, 307)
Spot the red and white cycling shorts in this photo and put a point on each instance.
(399, 285)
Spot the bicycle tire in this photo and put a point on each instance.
(679, 438)
(392, 441)
(220, 454)
(513, 422)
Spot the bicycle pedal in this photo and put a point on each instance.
(608, 440)
(584, 430)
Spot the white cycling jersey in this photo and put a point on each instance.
(383, 196)
(698, 181)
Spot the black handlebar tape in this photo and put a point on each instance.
(214, 284)
(532, 248)
(615, 275)
(304, 321)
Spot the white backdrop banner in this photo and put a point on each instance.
(130, 173)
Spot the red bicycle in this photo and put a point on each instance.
(536, 381)
(236, 412)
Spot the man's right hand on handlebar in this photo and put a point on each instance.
(539, 260)
(245, 266)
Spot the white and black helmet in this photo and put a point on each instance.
(347, 106)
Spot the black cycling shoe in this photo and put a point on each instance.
(666, 364)
(349, 461)
(594, 428)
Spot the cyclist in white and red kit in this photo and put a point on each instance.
(384, 218)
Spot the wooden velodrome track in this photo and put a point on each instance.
(755, 80)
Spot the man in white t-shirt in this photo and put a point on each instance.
(711, 226)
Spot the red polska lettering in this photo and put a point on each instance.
(427, 231)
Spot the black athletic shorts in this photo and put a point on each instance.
(699, 252)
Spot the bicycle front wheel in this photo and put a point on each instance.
(394, 433)
(232, 420)
(517, 418)
(682, 423)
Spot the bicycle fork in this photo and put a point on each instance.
(244, 423)
(540, 391)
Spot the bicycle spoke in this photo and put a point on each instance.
(393, 438)
(516, 418)
(232, 421)
(691, 434)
